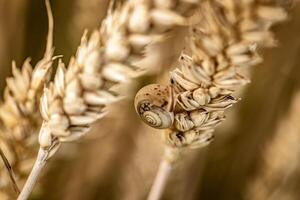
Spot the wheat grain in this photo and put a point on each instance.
(201, 89)
(80, 93)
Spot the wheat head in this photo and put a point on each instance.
(19, 114)
(227, 38)
(80, 93)
(202, 87)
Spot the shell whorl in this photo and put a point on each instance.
(154, 103)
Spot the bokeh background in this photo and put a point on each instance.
(256, 152)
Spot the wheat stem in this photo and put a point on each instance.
(34, 174)
(161, 179)
(10, 172)
(49, 45)
(163, 174)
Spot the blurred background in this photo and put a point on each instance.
(256, 152)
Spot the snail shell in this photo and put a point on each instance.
(154, 103)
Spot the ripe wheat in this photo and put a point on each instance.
(79, 94)
(20, 117)
(201, 89)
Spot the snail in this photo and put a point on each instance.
(154, 104)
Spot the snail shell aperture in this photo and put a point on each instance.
(153, 103)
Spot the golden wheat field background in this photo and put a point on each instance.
(90, 71)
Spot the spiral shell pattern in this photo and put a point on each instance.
(155, 117)
(153, 103)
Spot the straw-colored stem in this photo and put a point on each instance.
(161, 180)
(163, 174)
(10, 172)
(34, 174)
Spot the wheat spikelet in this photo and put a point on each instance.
(200, 90)
(79, 94)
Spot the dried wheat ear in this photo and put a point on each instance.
(20, 118)
(200, 90)
(97, 66)
(79, 94)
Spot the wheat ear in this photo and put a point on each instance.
(201, 89)
(80, 93)
(19, 113)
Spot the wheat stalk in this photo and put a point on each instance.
(80, 93)
(19, 114)
(193, 104)
(10, 171)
